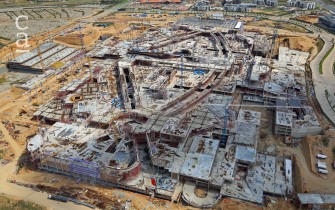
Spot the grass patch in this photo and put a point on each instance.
(324, 58)
(3, 80)
(327, 97)
(4, 38)
(320, 43)
(330, 2)
(7, 203)
(334, 68)
(295, 28)
(280, 25)
(270, 11)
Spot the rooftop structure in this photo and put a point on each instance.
(246, 134)
(175, 126)
(259, 69)
(301, 4)
(243, 7)
(246, 155)
(197, 166)
(267, 2)
(195, 22)
(40, 59)
(250, 117)
(328, 21)
(310, 198)
(284, 118)
(293, 60)
(63, 146)
(202, 6)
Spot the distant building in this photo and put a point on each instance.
(160, 1)
(218, 16)
(301, 4)
(328, 21)
(202, 6)
(244, 7)
(259, 2)
(271, 3)
(232, 2)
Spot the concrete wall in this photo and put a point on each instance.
(303, 132)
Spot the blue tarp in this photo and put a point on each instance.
(199, 72)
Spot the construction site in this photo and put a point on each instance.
(194, 112)
(174, 113)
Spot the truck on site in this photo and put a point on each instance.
(320, 156)
(58, 198)
(322, 171)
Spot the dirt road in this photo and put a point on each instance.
(314, 183)
(16, 149)
(29, 194)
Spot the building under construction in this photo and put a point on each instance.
(42, 58)
(171, 113)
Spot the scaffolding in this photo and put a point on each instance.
(80, 168)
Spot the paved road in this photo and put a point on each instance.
(327, 79)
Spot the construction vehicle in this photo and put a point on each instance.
(320, 156)
(321, 165)
(323, 171)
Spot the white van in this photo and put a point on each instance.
(320, 156)
(322, 171)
